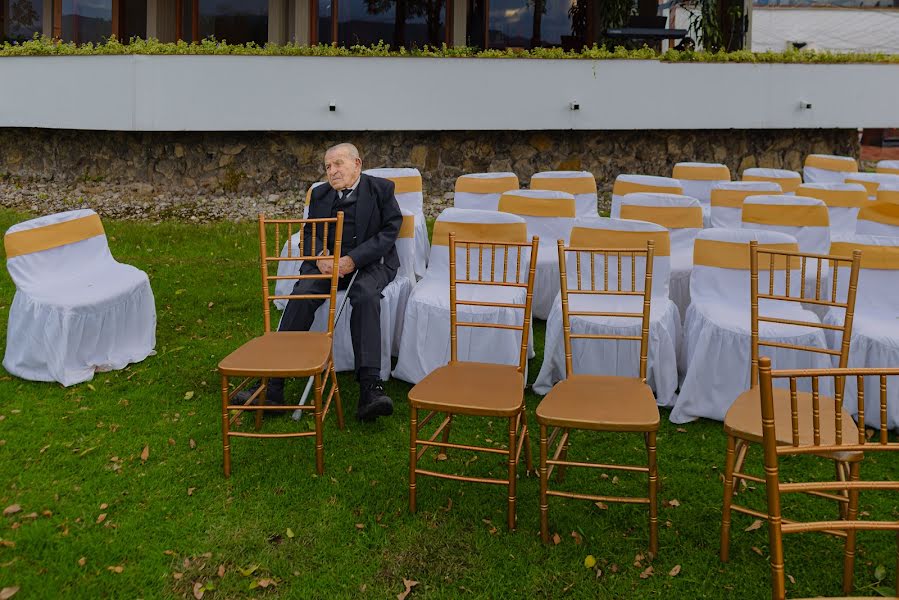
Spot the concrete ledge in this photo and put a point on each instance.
(265, 93)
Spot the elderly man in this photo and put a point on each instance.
(371, 223)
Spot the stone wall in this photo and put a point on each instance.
(274, 169)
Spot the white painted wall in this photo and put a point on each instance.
(221, 93)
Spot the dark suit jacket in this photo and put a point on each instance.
(378, 222)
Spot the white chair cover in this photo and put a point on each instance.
(827, 168)
(409, 194)
(888, 166)
(881, 218)
(888, 193)
(698, 179)
(634, 184)
(875, 328)
(843, 202)
(682, 216)
(716, 350)
(425, 345)
(617, 357)
(727, 199)
(580, 184)
(872, 181)
(76, 309)
(787, 180)
(550, 216)
(481, 191)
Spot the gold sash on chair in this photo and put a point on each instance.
(488, 232)
(38, 239)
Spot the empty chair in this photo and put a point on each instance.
(727, 199)
(888, 193)
(717, 331)
(698, 179)
(881, 218)
(409, 194)
(481, 191)
(580, 184)
(425, 344)
(76, 309)
(787, 180)
(633, 184)
(609, 357)
(872, 181)
(602, 403)
(550, 216)
(682, 216)
(827, 168)
(843, 202)
(888, 166)
(875, 330)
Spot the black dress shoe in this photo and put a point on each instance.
(373, 402)
(274, 397)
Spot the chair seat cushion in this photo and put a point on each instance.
(94, 289)
(599, 402)
(280, 354)
(471, 388)
(744, 419)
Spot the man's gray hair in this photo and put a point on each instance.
(347, 147)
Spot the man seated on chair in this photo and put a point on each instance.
(371, 223)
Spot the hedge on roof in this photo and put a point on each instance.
(43, 46)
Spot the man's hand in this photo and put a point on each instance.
(345, 266)
(325, 265)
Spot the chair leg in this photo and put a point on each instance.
(318, 386)
(565, 440)
(529, 461)
(653, 493)
(337, 395)
(413, 454)
(843, 473)
(263, 398)
(226, 437)
(544, 487)
(729, 460)
(849, 548)
(513, 430)
(445, 436)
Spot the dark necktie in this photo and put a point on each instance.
(344, 194)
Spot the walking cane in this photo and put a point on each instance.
(298, 414)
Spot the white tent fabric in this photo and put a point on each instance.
(409, 194)
(393, 301)
(888, 166)
(828, 168)
(425, 344)
(481, 191)
(727, 199)
(881, 218)
(76, 310)
(786, 179)
(872, 181)
(835, 29)
(875, 328)
(581, 184)
(616, 357)
(843, 202)
(698, 179)
(682, 216)
(634, 184)
(550, 216)
(716, 349)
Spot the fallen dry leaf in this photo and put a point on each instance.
(674, 571)
(192, 443)
(82, 561)
(177, 576)
(556, 539)
(264, 583)
(673, 502)
(755, 525)
(290, 532)
(116, 569)
(615, 480)
(190, 491)
(221, 571)
(168, 552)
(7, 543)
(647, 572)
(613, 568)
(8, 592)
(104, 506)
(589, 561)
(101, 518)
(30, 516)
(188, 395)
(681, 430)
(757, 551)
(360, 525)
(602, 506)
(790, 577)
(171, 442)
(198, 590)
(11, 510)
(441, 456)
(145, 453)
(578, 540)
(408, 584)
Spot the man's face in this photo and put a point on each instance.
(342, 170)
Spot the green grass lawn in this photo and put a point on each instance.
(97, 520)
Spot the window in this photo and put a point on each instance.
(83, 21)
(408, 23)
(233, 21)
(529, 23)
(20, 19)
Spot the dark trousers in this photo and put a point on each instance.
(365, 321)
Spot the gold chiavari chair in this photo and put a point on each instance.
(743, 422)
(473, 388)
(813, 433)
(600, 402)
(287, 353)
